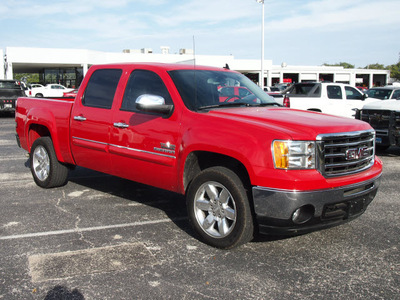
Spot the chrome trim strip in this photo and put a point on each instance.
(143, 151)
(86, 140)
(350, 186)
(321, 137)
(126, 148)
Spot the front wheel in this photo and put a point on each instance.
(47, 171)
(219, 209)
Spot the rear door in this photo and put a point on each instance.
(144, 146)
(91, 120)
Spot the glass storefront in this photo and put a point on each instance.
(68, 77)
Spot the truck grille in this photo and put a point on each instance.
(381, 120)
(345, 153)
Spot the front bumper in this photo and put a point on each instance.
(292, 212)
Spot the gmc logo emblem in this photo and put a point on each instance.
(357, 153)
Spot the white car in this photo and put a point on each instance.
(384, 93)
(50, 90)
(330, 98)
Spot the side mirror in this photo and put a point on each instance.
(153, 104)
(365, 96)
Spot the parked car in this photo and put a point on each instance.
(384, 93)
(70, 94)
(10, 90)
(50, 90)
(331, 98)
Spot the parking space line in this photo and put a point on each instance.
(79, 230)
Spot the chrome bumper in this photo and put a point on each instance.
(279, 211)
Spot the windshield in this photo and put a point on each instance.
(203, 89)
(379, 93)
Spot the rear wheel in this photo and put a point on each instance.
(47, 171)
(219, 209)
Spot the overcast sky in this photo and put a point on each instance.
(298, 32)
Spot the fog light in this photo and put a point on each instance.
(303, 214)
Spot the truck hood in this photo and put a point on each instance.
(383, 105)
(298, 124)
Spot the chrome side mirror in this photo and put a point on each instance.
(153, 104)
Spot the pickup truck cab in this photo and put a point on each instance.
(245, 166)
(331, 98)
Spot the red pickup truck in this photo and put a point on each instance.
(245, 166)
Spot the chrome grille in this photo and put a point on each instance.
(345, 153)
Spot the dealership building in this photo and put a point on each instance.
(69, 66)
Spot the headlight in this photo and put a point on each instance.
(294, 154)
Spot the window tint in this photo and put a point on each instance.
(334, 92)
(396, 94)
(101, 88)
(143, 82)
(352, 93)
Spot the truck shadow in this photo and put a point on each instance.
(390, 152)
(171, 203)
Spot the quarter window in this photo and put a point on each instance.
(101, 88)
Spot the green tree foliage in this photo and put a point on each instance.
(341, 64)
(376, 67)
(394, 71)
(27, 77)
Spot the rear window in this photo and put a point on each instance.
(101, 88)
(9, 85)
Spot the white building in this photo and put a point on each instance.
(68, 66)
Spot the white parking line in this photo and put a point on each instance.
(78, 230)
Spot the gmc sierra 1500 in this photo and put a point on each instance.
(245, 164)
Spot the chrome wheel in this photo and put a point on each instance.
(215, 209)
(41, 163)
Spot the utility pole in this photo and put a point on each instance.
(262, 45)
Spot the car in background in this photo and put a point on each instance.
(10, 91)
(384, 93)
(50, 90)
(71, 94)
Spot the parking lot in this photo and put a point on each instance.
(102, 237)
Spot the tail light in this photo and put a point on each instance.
(286, 101)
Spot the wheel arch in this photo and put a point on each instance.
(198, 161)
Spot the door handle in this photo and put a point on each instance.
(121, 125)
(79, 118)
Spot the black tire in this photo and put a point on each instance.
(39, 95)
(219, 209)
(47, 171)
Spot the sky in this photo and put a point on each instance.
(297, 32)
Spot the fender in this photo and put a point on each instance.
(58, 129)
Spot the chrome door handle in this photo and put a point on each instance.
(79, 118)
(121, 125)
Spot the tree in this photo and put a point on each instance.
(394, 71)
(27, 77)
(376, 67)
(341, 64)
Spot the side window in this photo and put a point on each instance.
(101, 88)
(396, 94)
(143, 82)
(352, 93)
(334, 92)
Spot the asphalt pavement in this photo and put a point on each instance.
(102, 237)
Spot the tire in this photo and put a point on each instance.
(47, 171)
(219, 209)
(39, 95)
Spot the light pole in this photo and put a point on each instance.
(262, 46)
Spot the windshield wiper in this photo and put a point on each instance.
(238, 104)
